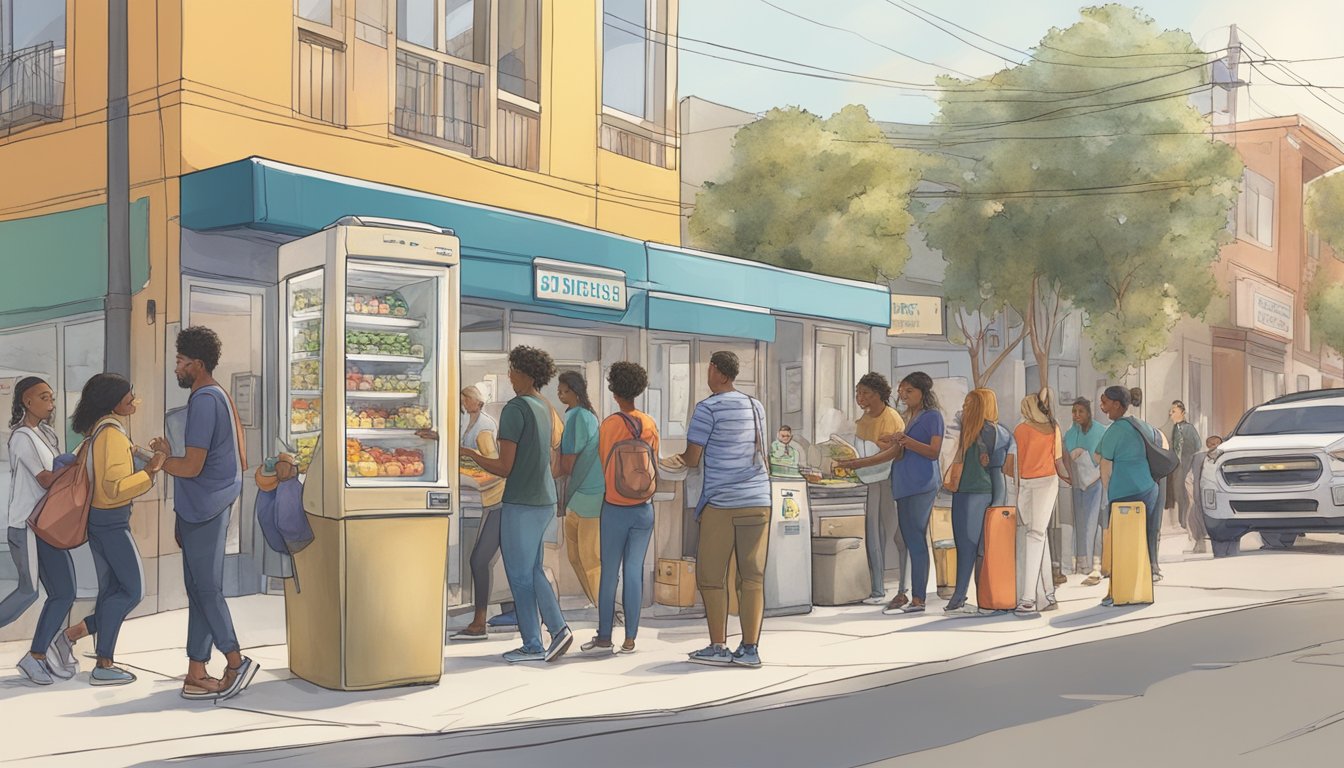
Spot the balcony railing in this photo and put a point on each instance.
(637, 144)
(519, 139)
(32, 86)
(439, 103)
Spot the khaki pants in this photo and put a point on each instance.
(583, 542)
(723, 533)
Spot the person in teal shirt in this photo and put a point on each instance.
(586, 486)
(1081, 443)
(1124, 457)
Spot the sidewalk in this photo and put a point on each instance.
(73, 723)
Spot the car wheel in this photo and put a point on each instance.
(1279, 540)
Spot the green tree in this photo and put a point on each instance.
(821, 195)
(1093, 186)
(1325, 294)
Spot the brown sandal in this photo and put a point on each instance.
(202, 688)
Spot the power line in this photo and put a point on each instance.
(953, 34)
(971, 31)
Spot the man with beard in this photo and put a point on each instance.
(207, 482)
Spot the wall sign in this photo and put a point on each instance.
(1264, 308)
(577, 284)
(916, 315)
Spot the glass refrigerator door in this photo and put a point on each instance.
(303, 353)
(392, 317)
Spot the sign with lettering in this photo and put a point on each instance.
(556, 281)
(916, 316)
(1264, 308)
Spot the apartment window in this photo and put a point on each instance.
(1257, 209)
(32, 63)
(634, 81)
(520, 48)
(371, 21)
(319, 60)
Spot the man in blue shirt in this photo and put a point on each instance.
(207, 482)
(727, 432)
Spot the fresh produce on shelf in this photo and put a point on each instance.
(304, 447)
(378, 343)
(308, 337)
(305, 376)
(390, 305)
(409, 417)
(358, 381)
(307, 298)
(372, 461)
(305, 414)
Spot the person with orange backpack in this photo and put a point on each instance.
(628, 449)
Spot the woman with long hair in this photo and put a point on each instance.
(33, 448)
(1002, 449)
(914, 481)
(583, 493)
(973, 493)
(104, 406)
(1040, 465)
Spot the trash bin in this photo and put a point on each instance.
(839, 571)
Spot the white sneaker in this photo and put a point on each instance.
(36, 671)
(875, 600)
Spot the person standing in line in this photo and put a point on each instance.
(627, 524)
(33, 448)
(873, 396)
(529, 504)
(580, 463)
(1155, 513)
(728, 434)
(973, 494)
(1080, 445)
(1040, 465)
(478, 433)
(1195, 520)
(1003, 449)
(914, 482)
(208, 479)
(104, 405)
(1185, 444)
(1125, 475)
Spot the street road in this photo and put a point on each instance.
(1255, 687)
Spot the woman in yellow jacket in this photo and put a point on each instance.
(104, 405)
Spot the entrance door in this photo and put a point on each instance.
(237, 314)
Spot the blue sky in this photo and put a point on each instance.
(1292, 29)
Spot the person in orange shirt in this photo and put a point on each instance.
(627, 521)
(1040, 465)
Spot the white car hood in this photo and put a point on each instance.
(1280, 442)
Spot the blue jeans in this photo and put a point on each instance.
(912, 514)
(22, 552)
(968, 526)
(625, 536)
(208, 620)
(522, 530)
(1151, 499)
(999, 496)
(56, 571)
(1087, 523)
(121, 580)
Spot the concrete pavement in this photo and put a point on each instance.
(73, 723)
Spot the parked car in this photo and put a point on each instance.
(1280, 473)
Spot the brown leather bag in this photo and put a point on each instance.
(61, 518)
(952, 478)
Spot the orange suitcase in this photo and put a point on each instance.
(996, 584)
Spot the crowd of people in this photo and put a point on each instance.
(601, 475)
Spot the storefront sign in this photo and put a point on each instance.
(575, 284)
(916, 315)
(1264, 308)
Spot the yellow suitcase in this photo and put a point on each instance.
(1131, 572)
(1106, 552)
(945, 566)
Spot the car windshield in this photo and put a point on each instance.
(1321, 419)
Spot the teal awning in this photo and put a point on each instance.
(709, 318)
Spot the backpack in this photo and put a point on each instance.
(61, 517)
(636, 475)
(1161, 462)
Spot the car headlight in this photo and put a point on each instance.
(1211, 498)
(1337, 494)
(1337, 455)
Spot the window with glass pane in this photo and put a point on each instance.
(520, 48)
(27, 23)
(415, 95)
(415, 22)
(465, 29)
(316, 10)
(624, 61)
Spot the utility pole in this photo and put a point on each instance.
(117, 328)
(1234, 66)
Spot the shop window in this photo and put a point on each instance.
(634, 81)
(482, 328)
(27, 352)
(1257, 209)
(32, 63)
(834, 383)
(1303, 383)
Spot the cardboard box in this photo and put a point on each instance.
(674, 583)
(842, 527)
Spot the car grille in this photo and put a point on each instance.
(1272, 470)
(1280, 506)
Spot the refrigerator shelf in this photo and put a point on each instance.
(305, 393)
(305, 356)
(353, 394)
(379, 433)
(384, 359)
(380, 321)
